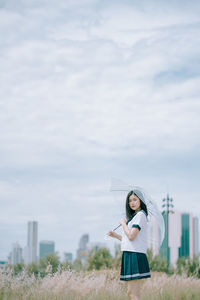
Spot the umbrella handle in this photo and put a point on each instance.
(117, 227)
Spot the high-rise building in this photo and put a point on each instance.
(83, 241)
(32, 242)
(196, 235)
(82, 250)
(3, 264)
(174, 238)
(184, 249)
(153, 237)
(26, 255)
(16, 254)
(46, 247)
(182, 236)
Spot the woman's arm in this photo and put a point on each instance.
(115, 235)
(131, 233)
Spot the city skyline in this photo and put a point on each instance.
(193, 240)
(34, 250)
(90, 90)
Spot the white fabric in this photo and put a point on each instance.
(139, 244)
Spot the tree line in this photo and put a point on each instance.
(101, 258)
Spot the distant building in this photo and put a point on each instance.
(3, 263)
(183, 232)
(30, 251)
(26, 255)
(196, 235)
(153, 237)
(68, 257)
(186, 236)
(82, 250)
(16, 254)
(46, 247)
(84, 241)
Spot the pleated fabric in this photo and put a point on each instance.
(134, 266)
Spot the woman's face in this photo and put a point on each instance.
(134, 202)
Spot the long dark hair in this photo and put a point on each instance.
(130, 212)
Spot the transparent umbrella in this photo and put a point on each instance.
(156, 225)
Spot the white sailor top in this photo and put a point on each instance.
(139, 244)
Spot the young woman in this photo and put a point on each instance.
(134, 266)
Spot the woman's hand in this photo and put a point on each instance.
(111, 233)
(114, 235)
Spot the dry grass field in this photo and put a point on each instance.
(95, 285)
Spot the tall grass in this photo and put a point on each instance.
(95, 285)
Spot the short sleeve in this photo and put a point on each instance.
(139, 221)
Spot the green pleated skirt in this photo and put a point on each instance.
(134, 266)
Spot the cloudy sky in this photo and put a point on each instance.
(90, 90)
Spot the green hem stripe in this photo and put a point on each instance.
(132, 278)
